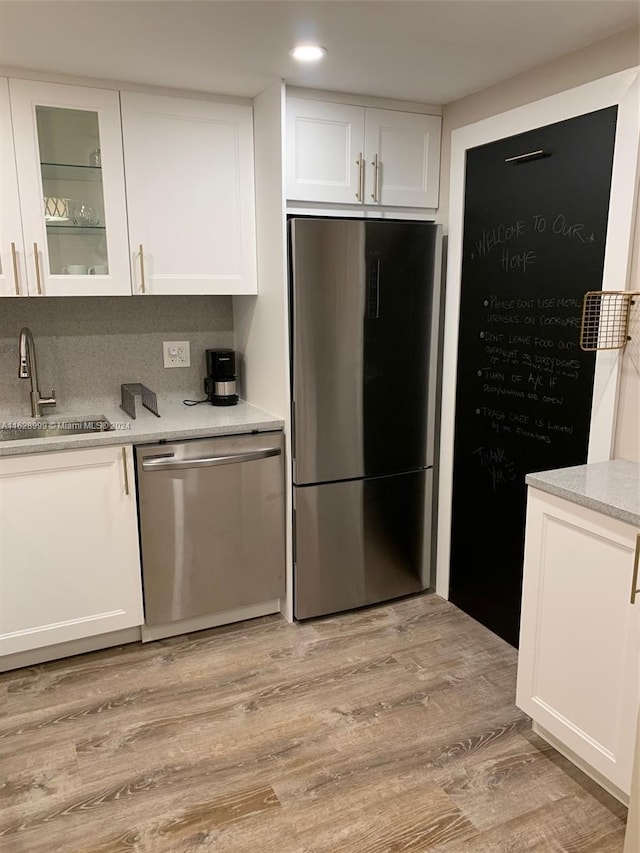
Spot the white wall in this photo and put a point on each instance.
(261, 322)
(590, 63)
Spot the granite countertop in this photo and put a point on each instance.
(176, 422)
(612, 488)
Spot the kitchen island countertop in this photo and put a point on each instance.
(176, 422)
(612, 488)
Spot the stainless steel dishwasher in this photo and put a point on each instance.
(211, 524)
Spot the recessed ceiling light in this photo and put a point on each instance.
(308, 52)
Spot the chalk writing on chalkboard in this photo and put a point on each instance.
(509, 236)
(515, 330)
(533, 243)
(527, 344)
(495, 462)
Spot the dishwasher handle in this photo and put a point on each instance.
(166, 462)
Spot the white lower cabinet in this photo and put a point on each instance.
(578, 667)
(69, 557)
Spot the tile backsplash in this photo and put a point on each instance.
(87, 346)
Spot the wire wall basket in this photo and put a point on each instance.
(605, 319)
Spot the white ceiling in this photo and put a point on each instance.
(432, 51)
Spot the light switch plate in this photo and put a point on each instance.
(176, 353)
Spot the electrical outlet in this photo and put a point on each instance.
(176, 353)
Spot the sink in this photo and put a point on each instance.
(52, 427)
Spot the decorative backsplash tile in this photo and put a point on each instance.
(87, 346)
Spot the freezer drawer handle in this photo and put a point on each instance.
(636, 564)
(165, 463)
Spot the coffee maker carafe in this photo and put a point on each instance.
(220, 382)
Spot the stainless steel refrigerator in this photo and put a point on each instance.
(365, 305)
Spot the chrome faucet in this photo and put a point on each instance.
(29, 370)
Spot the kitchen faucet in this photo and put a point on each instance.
(29, 370)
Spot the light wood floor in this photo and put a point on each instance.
(389, 730)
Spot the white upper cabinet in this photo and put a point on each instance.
(346, 154)
(190, 194)
(13, 280)
(402, 152)
(68, 147)
(325, 151)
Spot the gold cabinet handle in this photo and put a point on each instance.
(636, 563)
(375, 195)
(36, 259)
(141, 253)
(360, 165)
(126, 472)
(14, 258)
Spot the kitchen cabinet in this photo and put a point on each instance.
(578, 674)
(190, 195)
(12, 268)
(402, 153)
(68, 149)
(69, 558)
(347, 154)
(325, 151)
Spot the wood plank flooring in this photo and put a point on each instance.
(388, 730)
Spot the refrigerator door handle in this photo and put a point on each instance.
(294, 465)
(373, 286)
(293, 428)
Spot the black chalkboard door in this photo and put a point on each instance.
(533, 243)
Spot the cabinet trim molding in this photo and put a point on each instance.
(109, 614)
(579, 762)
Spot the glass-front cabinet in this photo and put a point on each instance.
(70, 174)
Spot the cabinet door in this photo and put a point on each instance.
(324, 151)
(190, 194)
(579, 639)
(403, 158)
(70, 174)
(69, 562)
(12, 269)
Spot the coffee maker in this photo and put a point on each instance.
(220, 382)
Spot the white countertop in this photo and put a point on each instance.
(612, 488)
(176, 421)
